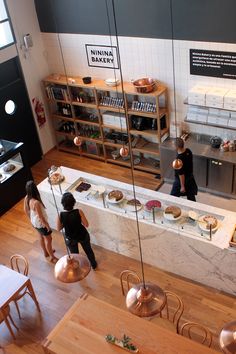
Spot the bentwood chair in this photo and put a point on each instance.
(127, 276)
(197, 332)
(171, 314)
(7, 314)
(20, 264)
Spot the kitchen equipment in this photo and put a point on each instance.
(140, 123)
(145, 85)
(87, 80)
(215, 142)
(112, 82)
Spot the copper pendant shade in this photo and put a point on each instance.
(72, 268)
(145, 300)
(177, 164)
(227, 338)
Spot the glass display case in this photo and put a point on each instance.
(14, 173)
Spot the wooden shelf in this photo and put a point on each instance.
(129, 94)
(149, 148)
(111, 109)
(57, 116)
(76, 120)
(84, 104)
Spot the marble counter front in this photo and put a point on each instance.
(179, 246)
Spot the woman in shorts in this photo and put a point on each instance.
(35, 210)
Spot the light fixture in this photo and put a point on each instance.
(77, 141)
(177, 164)
(227, 338)
(144, 299)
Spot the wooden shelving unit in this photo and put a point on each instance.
(77, 109)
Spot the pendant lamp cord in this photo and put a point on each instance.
(129, 141)
(173, 65)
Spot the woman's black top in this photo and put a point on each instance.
(71, 221)
(187, 158)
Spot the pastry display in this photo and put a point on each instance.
(193, 215)
(115, 195)
(9, 167)
(56, 178)
(151, 204)
(83, 187)
(134, 202)
(173, 210)
(210, 221)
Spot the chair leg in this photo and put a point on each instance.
(11, 319)
(10, 329)
(18, 310)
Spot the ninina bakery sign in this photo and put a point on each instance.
(102, 56)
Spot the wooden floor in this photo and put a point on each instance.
(202, 304)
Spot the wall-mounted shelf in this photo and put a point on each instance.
(82, 101)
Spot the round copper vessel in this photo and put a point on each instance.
(145, 85)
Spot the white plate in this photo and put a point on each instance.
(2, 177)
(113, 201)
(202, 224)
(170, 217)
(129, 207)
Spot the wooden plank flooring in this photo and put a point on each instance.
(202, 304)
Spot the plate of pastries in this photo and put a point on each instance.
(115, 197)
(9, 167)
(133, 205)
(172, 213)
(56, 178)
(152, 205)
(206, 222)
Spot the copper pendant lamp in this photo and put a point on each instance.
(227, 338)
(72, 268)
(177, 164)
(143, 299)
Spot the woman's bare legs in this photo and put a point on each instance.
(43, 246)
(48, 243)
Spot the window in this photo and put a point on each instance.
(6, 35)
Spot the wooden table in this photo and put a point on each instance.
(84, 326)
(11, 284)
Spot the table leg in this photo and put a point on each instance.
(32, 293)
(7, 323)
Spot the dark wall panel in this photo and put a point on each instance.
(136, 18)
(197, 20)
(19, 127)
(205, 20)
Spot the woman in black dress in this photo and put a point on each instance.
(74, 222)
(184, 183)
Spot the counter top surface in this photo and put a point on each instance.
(220, 238)
(202, 149)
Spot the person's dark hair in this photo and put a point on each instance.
(179, 143)
(68, 201)
(32, 192)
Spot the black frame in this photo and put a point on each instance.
(105, 46)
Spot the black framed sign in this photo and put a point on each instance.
(102, 56)
(213, 63)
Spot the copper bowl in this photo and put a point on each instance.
(145, 85)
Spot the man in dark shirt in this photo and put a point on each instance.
(184, 183)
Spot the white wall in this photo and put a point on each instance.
(141, 57)
(34, 63)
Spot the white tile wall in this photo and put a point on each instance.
(141, 57)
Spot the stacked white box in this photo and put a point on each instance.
(230, 100)
(215, 97)
(197, 95)
(114, 119)
(232, 120)
(197, 114)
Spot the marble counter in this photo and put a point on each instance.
(180, 247)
